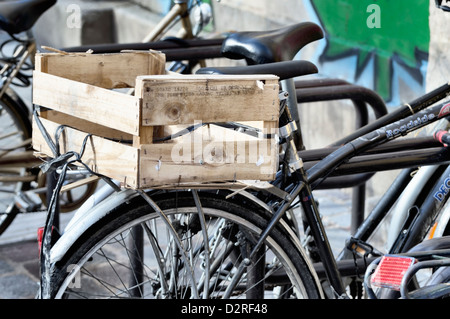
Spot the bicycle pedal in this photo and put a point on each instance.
(28, 201)
(390, 271)
(361, 248)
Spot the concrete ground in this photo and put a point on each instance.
(19, 270)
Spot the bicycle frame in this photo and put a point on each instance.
(179, 10)
(305, 179)
(10, 69)
(391, 131)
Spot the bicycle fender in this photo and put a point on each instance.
(443, 221)
(407, 200)
(83, 222)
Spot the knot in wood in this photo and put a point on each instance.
(173, 111)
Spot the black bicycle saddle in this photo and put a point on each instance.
(19, 16)
(284, 69)
(259, 47)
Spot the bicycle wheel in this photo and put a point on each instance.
(100, 263)
(72, 199)
(15, 130)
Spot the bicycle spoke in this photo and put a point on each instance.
(182, 257)
(159, 259)
(7, 135)
(174, 235)
(205, 241)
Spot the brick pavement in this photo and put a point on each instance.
(19, 270)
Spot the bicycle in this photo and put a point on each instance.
(23, 186)
(18, 168)
(252, 227)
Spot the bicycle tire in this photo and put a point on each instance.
(70, 200)
(15, 127)
(240, 227)
(440, 276)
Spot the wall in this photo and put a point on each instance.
(439, 58)
(382, 42)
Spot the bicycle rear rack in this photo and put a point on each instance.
(398, 273)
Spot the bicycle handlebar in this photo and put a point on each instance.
(442, 136)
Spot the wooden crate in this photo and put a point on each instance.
(79, 91)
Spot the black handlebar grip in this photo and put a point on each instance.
(442, 136)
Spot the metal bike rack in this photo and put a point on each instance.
(174, 49)
(319, 90)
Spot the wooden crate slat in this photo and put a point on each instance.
(108, 71)
(103, 156)
(85, 126)
(171, 100)
(91, 103)
(207, 161)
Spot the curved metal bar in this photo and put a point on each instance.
(175, 237)
(415, 268)
(335, 89)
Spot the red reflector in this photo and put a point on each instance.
(390, 271)
(40, 235)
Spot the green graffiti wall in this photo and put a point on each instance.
(382, 31)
